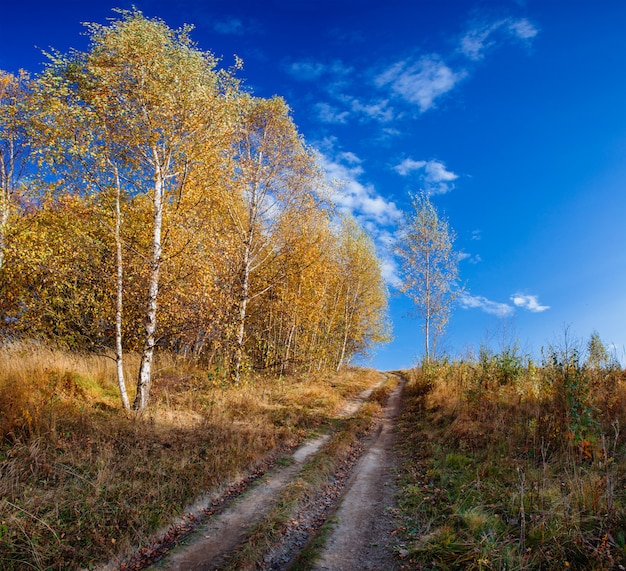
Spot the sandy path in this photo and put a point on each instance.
(211, 543)
(215, 539)
(362, 538)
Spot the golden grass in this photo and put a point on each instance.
(524, 474)
(81, 480)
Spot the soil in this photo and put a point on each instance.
(363, 537)
(359, 500)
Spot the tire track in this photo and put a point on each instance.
(206, 545)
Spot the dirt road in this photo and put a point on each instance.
(360, 502)
(362, 537)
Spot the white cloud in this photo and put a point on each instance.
(389, 271)
(523, 301)
(409, 165)
(349, 157)
(420, 82)
(529, 302)
(436, 172)
(307, 70)
(232, 26)
(377, 111)
(474, 43)
(483, 36)
(468, 301)
(331, 114)
(352, 196)
(472, 259)
(311, 70)
(436, 178)
(378, 215)
(523, 29)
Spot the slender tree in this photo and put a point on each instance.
(14, 145)
(597, 353)
(363, 321)
(275, 176)
(152, 108)
(429, 270)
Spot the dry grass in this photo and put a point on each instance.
(81, 481)
(525, 473)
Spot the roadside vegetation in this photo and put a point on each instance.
(510, 464)
(81, 480)
(149, 202)
(177, 290)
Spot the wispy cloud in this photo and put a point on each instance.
(409, 165)
(471, 258)
(230, 26)
(483, 36)
(331, 114)
(389, 271)
(522, 29)
(468, 301)
(522, 301)
(307, 70)
(529, 302)
(347, 107)
(420, 82)
(377, 110)
(312, 70)
(434, 175)
(353, 195)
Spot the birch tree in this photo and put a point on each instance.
(363, 318)
(161, 110)
(274, 174)
(429, 267)
(293, 310)
(14, 145)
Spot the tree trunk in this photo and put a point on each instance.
(243, 307)
(427, 335)
(119, 355)
(427, 308)
(4, 222)
(6, 180)
(145, 368)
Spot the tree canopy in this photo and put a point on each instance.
(167, 208)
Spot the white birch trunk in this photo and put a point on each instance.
(4, 222)
(147, 354)
(6, 179)
(428, 308)
(243, 308)
(348, 317)
(119, 355)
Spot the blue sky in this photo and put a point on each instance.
(512, 114)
